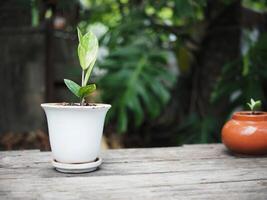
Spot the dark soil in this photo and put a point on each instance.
(250, 113)
(75, 104)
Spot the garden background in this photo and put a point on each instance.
(173, 70)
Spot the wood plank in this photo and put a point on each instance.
(189, 172)
(44, 169)
(149, 186)
(131, 162)
(134, 155)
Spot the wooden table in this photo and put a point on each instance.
(188, 172)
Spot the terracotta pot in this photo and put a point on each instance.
(246, 133)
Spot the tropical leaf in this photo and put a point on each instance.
(73, 87)
(79, 34)
(86, 90)
(87, 49)
(140, 83)
(88, 72)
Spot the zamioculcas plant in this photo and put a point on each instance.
(75, 131)
(254, 105)
(87, 53)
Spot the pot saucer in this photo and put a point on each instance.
(77, 168)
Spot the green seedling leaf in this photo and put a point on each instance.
(254, 105)
(257, 105)
(86, 90)
(73, 87)
(250, 106)
(87, 49)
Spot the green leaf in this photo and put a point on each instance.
(134, 104)
(88, 72)
(86, 90)
(122, 121)
(87, 49)
(79, 34)
(133, 99)
(82, 57)
(73, 87)
(254, 105)
(184, 9)
(250, 106)
(257, 105)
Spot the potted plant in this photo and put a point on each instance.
(246, 132)
(75, 129)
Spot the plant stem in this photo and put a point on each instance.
(82, 102)
(82, 78)
(83, 84)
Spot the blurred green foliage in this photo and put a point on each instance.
(137, 69)
(136, 73)
(244, 78)
(257, 5)
(139, 80)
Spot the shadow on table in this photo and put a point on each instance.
(239, 155)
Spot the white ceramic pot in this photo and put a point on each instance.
(75, 131)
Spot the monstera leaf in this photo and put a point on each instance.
(137, 83)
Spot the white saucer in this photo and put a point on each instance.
(77, 168)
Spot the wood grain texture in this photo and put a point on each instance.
(188, 172)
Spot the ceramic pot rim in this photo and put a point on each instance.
(60, 106)
(247, 116)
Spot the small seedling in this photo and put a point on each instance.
(254, 105)
(87, 53)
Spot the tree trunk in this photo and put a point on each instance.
(220, 46)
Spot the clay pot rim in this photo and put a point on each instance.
(248, 116)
